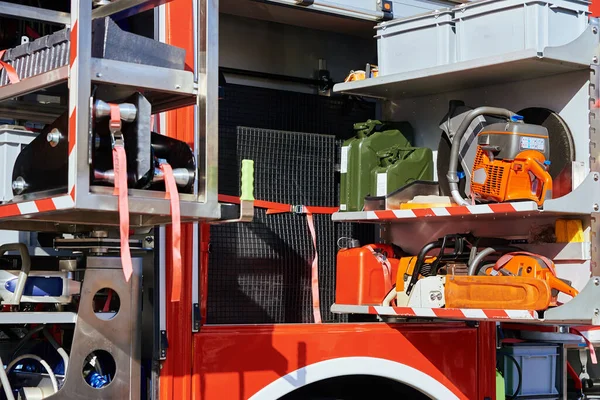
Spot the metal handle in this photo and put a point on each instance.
(247, 190)
(25, 268)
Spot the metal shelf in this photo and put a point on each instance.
(34, 83)
(511, 67)
(34, 13)
(581, 310)
(37, 317)
(581, 196)
(165, 88)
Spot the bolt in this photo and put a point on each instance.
(594, 30)
(596, 312)
(177, 87)
(596, 177)
(432, 296)
(596, 207)
(19, 185)
(596, 281)
(99, 75)
(53, 137)
(594, 59)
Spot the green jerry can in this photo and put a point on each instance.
(399, 166)
(359, 158)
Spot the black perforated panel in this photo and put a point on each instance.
(260, 272)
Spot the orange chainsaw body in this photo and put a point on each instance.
(523, 178)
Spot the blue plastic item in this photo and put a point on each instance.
(538, 370)
(516, 118)
(96, 380)
(38, 286)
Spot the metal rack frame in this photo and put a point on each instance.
(84, 206)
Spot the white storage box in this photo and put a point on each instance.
(12, 140)
(494, 27)
(414, 43)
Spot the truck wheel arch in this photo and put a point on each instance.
(345, 366)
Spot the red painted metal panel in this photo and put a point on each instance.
(236, 362)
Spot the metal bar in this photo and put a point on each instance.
(126, 8)
(275, 77)
(162, 291)
(38, 318)
(142, 76)
(34, 83)
(335, 8)
(195, 280)
(35, 13)
(207, 128)
(595, 151)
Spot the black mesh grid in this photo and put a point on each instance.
(260, 272)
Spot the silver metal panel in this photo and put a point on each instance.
(142, 76)
(34, 13)
(584, 309)
(119, 336)
(561, 251)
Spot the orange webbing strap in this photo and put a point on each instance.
(13, 77)
(316, 304)
(385, 266)
(575, 330)
(173, 195)
(120, 168)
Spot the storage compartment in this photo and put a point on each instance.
(537, 372)
(495, 27)
(409, 44)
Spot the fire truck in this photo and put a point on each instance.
(299, 199)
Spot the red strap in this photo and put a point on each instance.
(13, 77)
(385, 266)
(574, 376)
(120, 168)
(106, 307)
(173, 194)
(277, 208)
(589, 344)
(502, 261)
(314, 271)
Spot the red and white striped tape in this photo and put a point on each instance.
(73, 96)
(444, 313)
(35, 206)
(479, 209)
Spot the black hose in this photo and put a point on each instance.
(25, 339)
(520, 373)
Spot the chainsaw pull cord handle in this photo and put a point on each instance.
(420, 260)
(455, 150)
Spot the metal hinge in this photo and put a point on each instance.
(305, 3)
(196, 317)
(163, 346)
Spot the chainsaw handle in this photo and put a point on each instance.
(420, 260)
(561, 286)
(544, 177)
